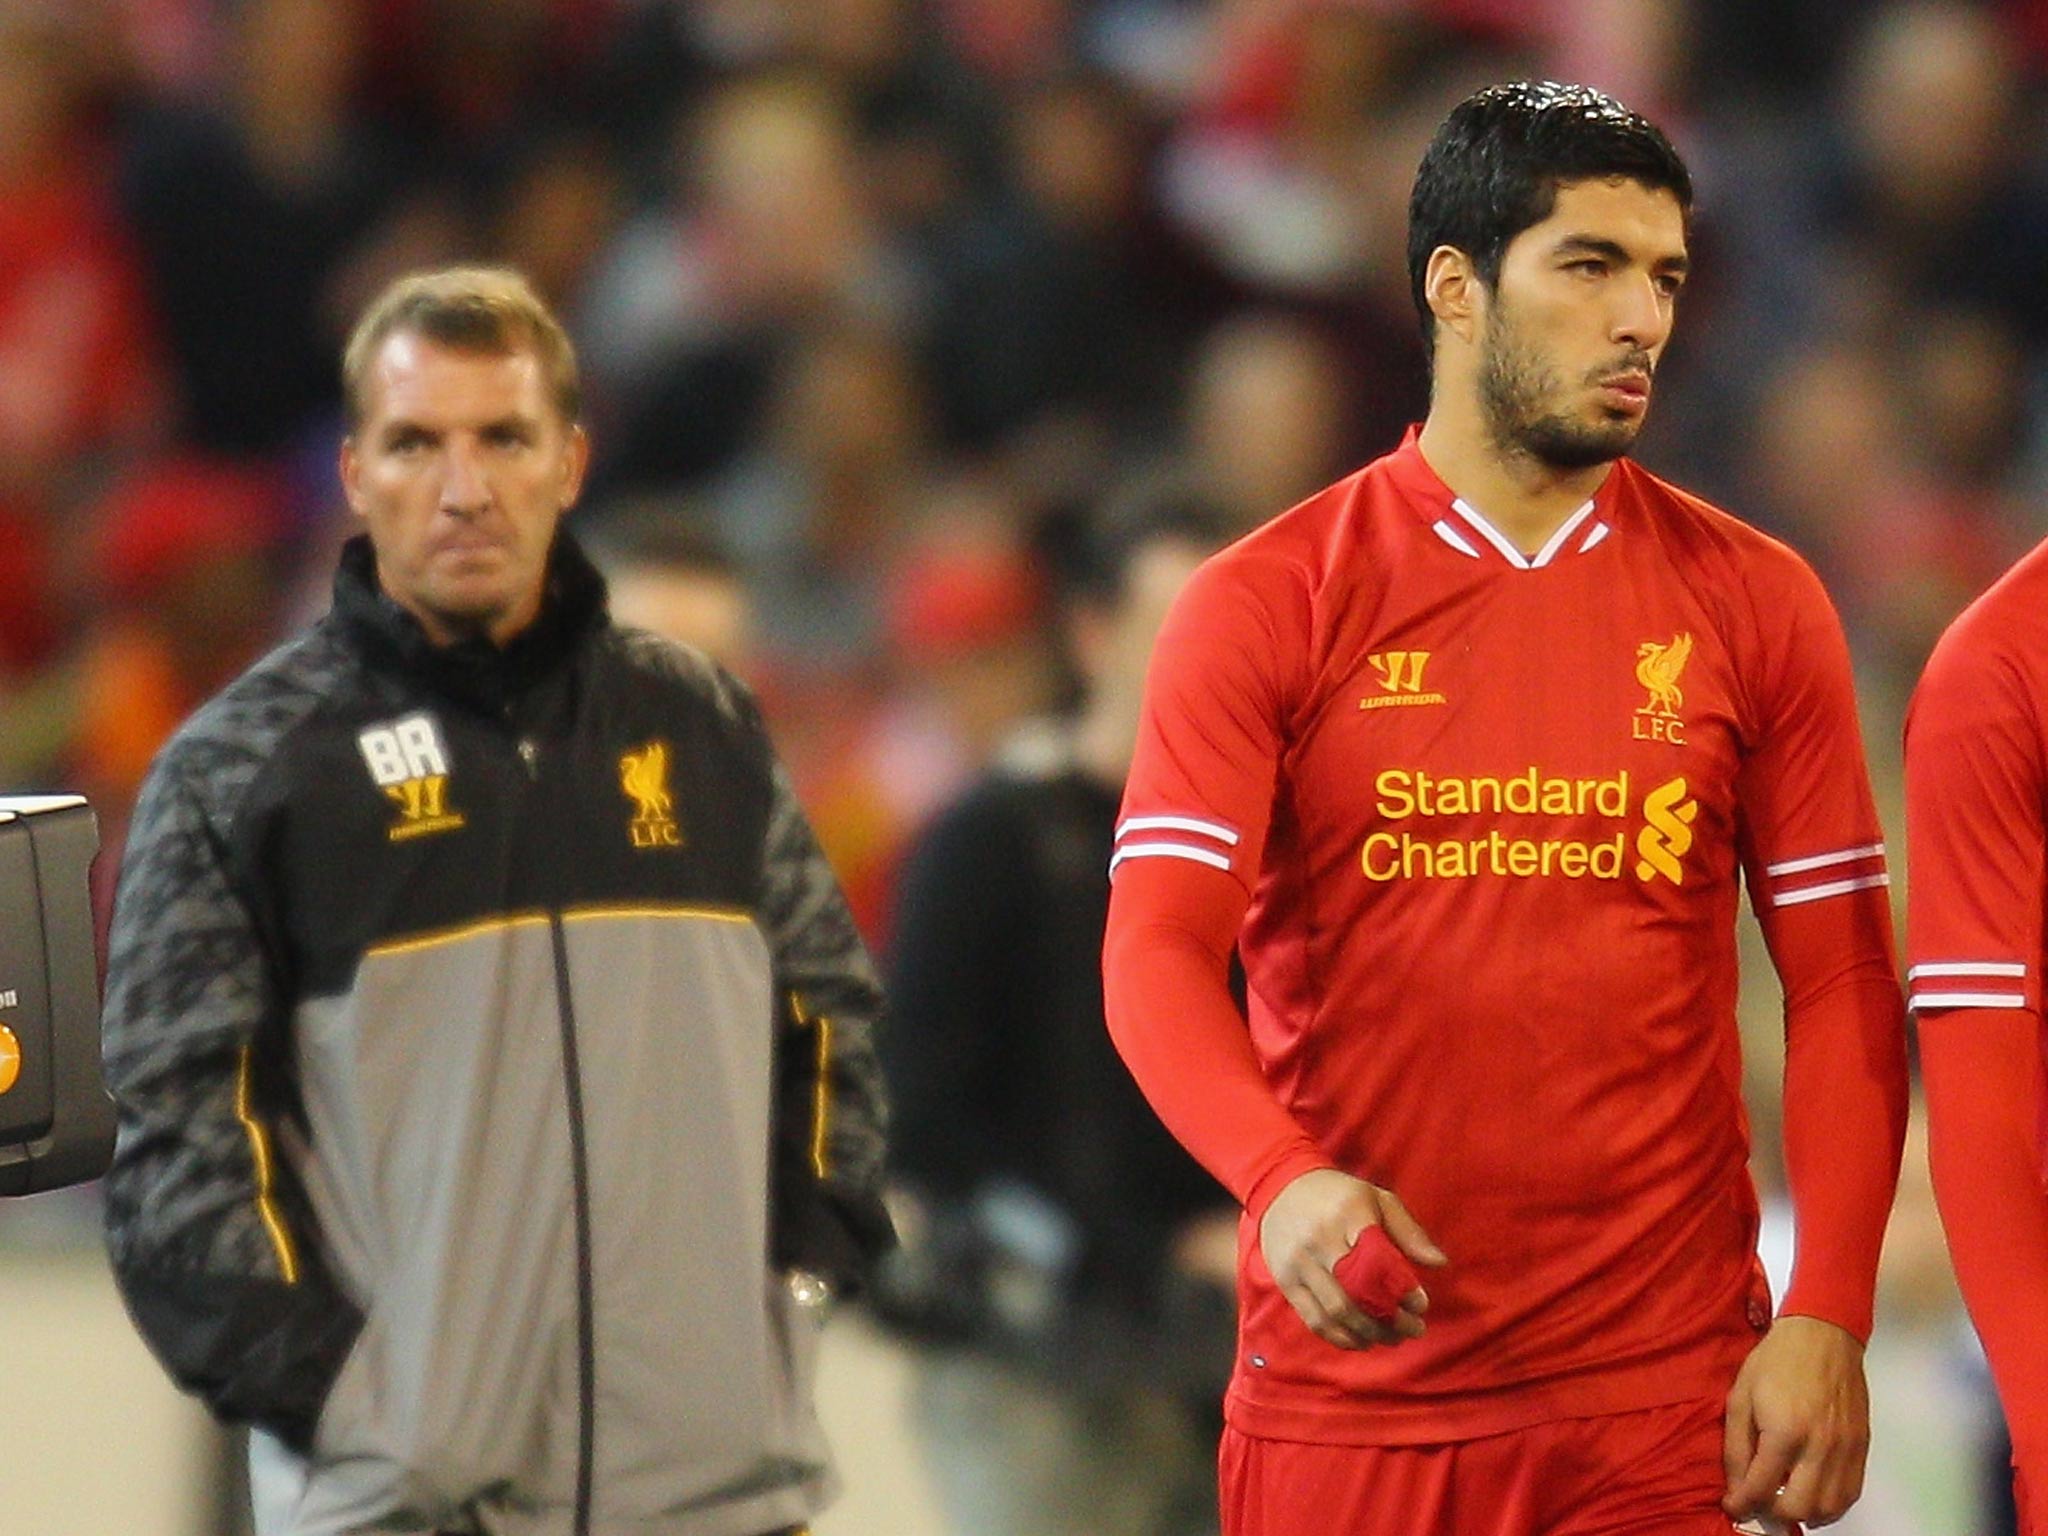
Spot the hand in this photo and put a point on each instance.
(1798, 1425)
(1307, 1231)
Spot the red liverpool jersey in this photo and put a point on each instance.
(1977, 936)
(1978, 765)
(1490, 812)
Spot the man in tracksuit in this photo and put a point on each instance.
(491, 1043)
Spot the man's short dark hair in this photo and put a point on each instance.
(1153, 507)
(1497, 162)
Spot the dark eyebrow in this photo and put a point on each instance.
(400, 428)
(1594, 245)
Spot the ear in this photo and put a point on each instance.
(1454, 291)
(351, 466)
(576, 460)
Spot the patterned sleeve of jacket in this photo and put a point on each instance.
(830, 1111)
(208, 1233)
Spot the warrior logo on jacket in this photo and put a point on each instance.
(644, 777)
(410, 764)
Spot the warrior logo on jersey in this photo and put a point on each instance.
(1400, 676)
(1666, 835)
(1657, 669)
(643, 775)
(410, 764)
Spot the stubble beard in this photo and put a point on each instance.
(1515, 388)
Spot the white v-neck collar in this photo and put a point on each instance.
(1476, 521)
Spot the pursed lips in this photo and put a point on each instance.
(465, 541)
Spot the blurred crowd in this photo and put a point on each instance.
(881, 301)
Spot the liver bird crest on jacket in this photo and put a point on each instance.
(644, 777)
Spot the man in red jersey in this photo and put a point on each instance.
(1468, 754)
(1977, 831)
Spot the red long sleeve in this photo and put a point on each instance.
(1983, 1075)
(1166, 988)
(1845, 1101)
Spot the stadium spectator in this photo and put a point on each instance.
(1058, 1233)
(667, 572)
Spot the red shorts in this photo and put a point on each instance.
(1655, 1472)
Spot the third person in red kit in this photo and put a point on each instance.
(1470, 755)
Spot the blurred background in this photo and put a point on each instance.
(880, 303)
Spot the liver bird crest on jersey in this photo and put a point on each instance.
(1657, 669)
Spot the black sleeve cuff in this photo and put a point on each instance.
(256, 1352)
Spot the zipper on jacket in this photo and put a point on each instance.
(579, 1175)
(579, 1170)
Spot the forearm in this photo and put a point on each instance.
(1845, 1119)
(1982, 1069)
(1166, 990)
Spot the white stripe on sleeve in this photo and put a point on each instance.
(1921, 1000)
(1832, 888)
(1217, 830)
(1823, 860)
(1168, 851)
(2010, 968)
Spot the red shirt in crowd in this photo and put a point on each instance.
(1477, 821)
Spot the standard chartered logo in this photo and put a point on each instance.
(1666, 836)
(1524, 825)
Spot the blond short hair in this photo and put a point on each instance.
(471, 309)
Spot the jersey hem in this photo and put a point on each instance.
(1383, 1420)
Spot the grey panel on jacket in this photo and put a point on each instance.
(444, 1190)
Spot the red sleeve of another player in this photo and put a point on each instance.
(1974, 782)
(1978, 852)
(1815, 861)
(1187, 855)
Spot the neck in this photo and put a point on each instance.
(1525, 498)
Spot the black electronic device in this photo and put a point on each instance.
(56, 1120)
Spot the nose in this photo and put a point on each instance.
(464, 491)
(1642, 318)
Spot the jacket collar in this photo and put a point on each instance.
(477, 671)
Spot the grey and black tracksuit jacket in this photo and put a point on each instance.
(490, 1042)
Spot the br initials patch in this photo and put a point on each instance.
(409, 762)
(643, 775)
